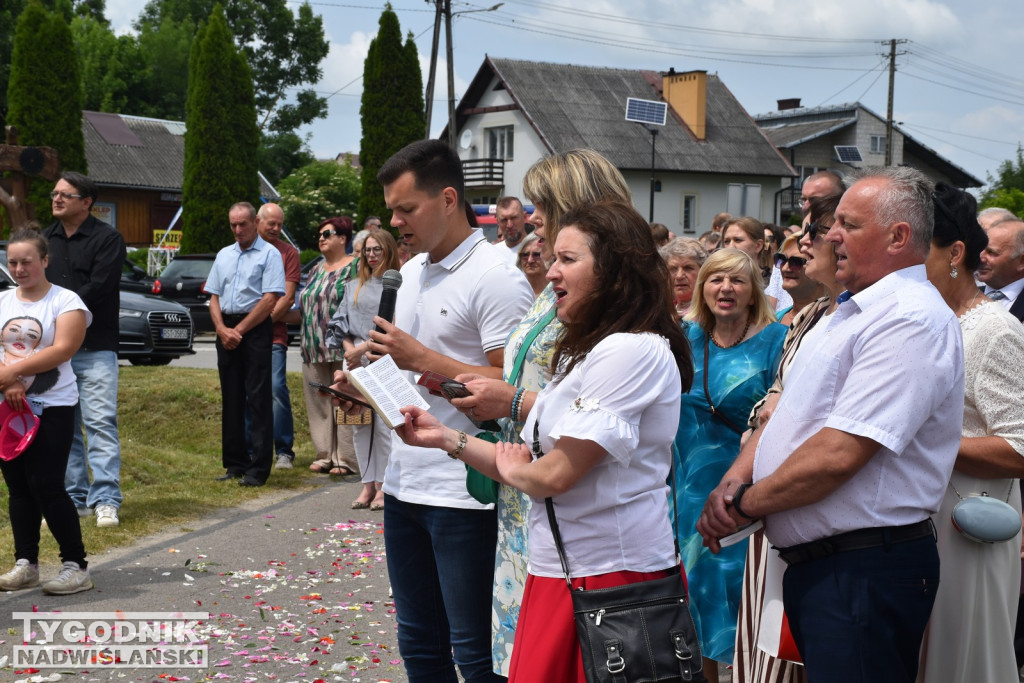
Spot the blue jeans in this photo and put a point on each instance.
(284, 427)
(441, 566)
(859, 616)
(97, 411)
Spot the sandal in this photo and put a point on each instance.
(360, 505)
(321, 466)
(341, 471)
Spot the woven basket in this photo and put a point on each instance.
(343, 418)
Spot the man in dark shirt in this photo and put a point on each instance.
(86, 256)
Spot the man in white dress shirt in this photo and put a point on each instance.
(1002, 265)
(858, 452)
(511, 217)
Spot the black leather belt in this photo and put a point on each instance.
(232, 319)
(860, 539)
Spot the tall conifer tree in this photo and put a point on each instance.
(221, 137)
(392, 107)
(44, 95)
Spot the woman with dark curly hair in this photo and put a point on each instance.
(605, 425)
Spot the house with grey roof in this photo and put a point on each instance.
(139, 165)
(709, 156)
(845, 137)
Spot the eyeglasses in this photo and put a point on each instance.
(530, 255)
(814, 229)
(326, 234)
(65, 195)
(794, 261)
(373, 250)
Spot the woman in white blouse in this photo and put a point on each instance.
(605, 423)
(970, 634)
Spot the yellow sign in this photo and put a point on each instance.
(173, 238)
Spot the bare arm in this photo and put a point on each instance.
(989, 457)
(806, 477)
(69, 333)
(284, 304)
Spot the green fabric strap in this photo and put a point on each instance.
(517, 367)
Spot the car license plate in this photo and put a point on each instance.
(174, 333)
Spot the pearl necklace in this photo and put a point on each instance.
(742, 336)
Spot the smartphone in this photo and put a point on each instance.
(338, 394)
(452, 389)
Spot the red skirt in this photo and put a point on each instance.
(546, 648)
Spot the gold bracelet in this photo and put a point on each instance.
(454, 454)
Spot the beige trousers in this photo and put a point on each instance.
(333, 442)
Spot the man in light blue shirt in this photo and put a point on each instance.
(245, 282)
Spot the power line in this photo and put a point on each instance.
(879, 66)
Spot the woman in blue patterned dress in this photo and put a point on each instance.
(736, 349)
(554, 185)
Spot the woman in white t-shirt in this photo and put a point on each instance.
(41, 327)
(605, 423)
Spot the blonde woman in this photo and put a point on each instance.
(348, 330)
(736, 346)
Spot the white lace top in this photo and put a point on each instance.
(994, 388)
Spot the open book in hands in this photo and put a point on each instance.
(386, 388)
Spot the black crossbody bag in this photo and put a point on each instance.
(634, 633)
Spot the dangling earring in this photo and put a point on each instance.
(953, 272)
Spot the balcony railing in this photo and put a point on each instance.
(484, 172)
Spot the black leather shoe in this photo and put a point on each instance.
(249, 481)
(228, 476)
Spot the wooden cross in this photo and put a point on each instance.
(23, 162)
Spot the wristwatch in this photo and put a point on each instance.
(737, 497)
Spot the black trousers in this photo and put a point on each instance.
(245, 381)
(35, 480)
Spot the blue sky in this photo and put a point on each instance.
(956, 89)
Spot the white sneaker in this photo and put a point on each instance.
(106, 515)
(72, 579)
(283, 462)
(24, 575)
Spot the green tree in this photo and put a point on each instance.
(114, 77)
(392, 107)
(314, 192)
(282, 153)
(221, 137)
(44, 94)
(1006, 190)
(284, 51)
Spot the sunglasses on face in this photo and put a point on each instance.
(793, 261)
(326, 234)
(530, 256)
(815, 229)
(373, 250)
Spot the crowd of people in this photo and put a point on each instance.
(791, 419)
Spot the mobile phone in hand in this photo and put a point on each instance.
(323, 388)
(453, 389)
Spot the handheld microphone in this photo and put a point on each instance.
(392, 281)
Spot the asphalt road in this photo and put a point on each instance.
(206, 355)
(295, 585)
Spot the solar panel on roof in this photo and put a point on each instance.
(848, 154)
(646, 111)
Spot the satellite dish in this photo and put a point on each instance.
(466, 139)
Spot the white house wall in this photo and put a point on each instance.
(711, 192)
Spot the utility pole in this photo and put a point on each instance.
(451, 72)
(892, 89)
(433, 65)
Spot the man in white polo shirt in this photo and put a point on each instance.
(858, 452)
(457, 303)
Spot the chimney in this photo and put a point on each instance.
(686, 93)
(791, 103)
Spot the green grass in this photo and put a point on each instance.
(169, 421)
